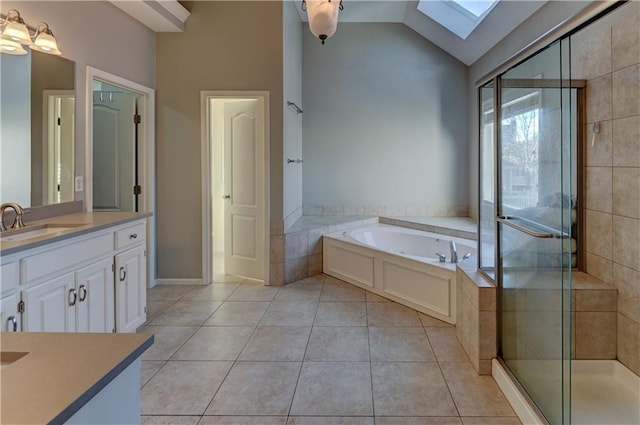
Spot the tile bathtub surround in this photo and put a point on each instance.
(387, 210)
(308, 353)
(612, 206)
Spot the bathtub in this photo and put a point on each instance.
(399, 264)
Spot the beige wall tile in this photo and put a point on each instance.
(599, 267)
(333, 210)
(591, 52)
(625, 40)
(626, 234)
(314, 264)
(598, 188)
(277, 227)
(596, 300)
(488, 335)
(599, 99)
(626, 191)
(626, 149)
(484, 367)
(598, 237)
(628, 283)
(295, 269)
(276, 274)
(626, 92)
(395, 210)
(296, 245)
(315, 240)
(595, 335)
(629, 343)
(416, 211)
(600, 154)
(276, 249)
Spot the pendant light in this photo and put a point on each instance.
(323, 16)
(45, 41)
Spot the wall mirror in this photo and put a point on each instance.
(37, 143)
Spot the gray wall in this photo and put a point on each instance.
(225, 46)
(292, 121)
(98, 34)
(384, 114)
(547, 17)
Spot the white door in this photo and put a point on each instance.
(131, 290)
(95, 298)
(114, 152)
(244, 151)
(64, 149)
(50, 306)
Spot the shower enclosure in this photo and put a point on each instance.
(529, 126)
(533, 147)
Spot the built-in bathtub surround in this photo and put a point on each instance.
(388, 210)
(400, 264)
(608, 55)
(476, 322)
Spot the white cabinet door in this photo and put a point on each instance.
(131, 289)
(50, 306)
(95, 306)
(9, 316)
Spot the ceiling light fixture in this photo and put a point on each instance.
(323, 16)
(15, 33)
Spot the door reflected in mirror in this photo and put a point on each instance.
(37, 143)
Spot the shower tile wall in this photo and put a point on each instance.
(607, 55)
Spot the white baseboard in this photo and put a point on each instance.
(519, 403)
(179, 282)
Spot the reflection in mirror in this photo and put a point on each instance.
(37, 129)
(115, 148)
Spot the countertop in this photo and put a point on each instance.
(82, 223)
(61, 372)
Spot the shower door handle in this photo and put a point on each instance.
(514, 225)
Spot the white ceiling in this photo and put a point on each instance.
(503, 19)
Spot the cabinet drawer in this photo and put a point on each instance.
(8, 276)
(49, 262)
(131, 235)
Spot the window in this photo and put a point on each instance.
(460, 17)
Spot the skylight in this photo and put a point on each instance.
(460, 17)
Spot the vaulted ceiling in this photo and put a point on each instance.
(503, 17)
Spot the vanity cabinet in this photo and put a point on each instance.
(9, 316)
(95, 282)
(131, 290)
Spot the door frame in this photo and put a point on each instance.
(207, 195)
(147, 137)
(47, 131)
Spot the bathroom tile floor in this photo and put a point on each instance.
(315, 352)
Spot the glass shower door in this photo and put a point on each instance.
(534, 227)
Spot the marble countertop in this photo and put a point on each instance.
(60, 372)
(77, 224)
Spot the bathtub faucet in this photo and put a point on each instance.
(454, 252)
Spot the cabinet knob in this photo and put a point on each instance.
(123, 274)
(12, 324)
(133, 236)
(83, 293)
(73, 296)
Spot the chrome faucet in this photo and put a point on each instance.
(454, 252)
(17, 221)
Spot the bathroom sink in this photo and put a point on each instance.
(7, 358)
(35, 231)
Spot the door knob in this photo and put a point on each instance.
(226, 196)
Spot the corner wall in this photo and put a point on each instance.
(234, 45)
(383, 129)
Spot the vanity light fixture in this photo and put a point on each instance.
(323, 16)
(15, 34)
(45, 41)
(11, 47)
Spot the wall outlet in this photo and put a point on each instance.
(79, 183)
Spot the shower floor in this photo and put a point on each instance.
(604, 392)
